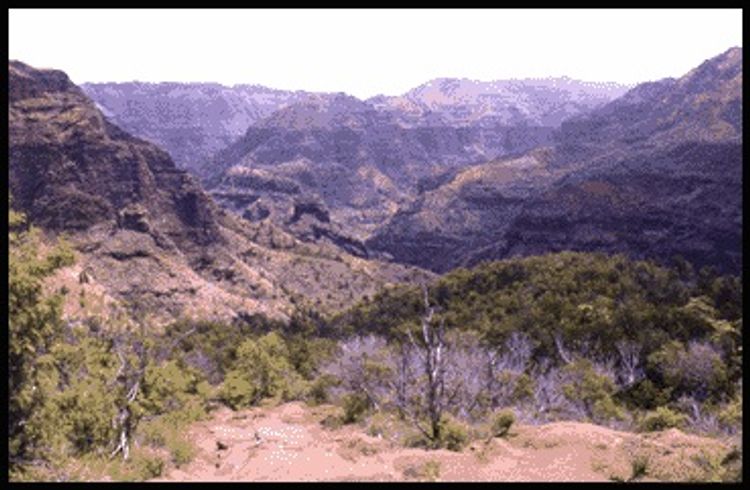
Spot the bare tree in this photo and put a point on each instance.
(700, 420)
(353, 365)
(631, 370)
(404, 375)
(129, 376)
(548, 394)
(431, 350)
(465, 375)
(134, 356)
(564, 353)
(517, 353)
(503, 367)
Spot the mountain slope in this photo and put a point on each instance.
(192, 121)
(655, 173)
(365, 159)
(146, 232)
(533, 102)
(360, 160)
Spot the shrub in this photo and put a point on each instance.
(182, 451)
(166, 387)
(86, 412)
(428, 471)
(141, 466)
(454, 435)
(205, 391)
(318, 392)
(645, 394)
(154, 432)
(147, 466)
(697, 370)
(590, 392)
(332, 422)
(523, 389)
(660, 419)
(606, 409)
(168, 431)
(415, 439)
(263, 369)
(236, 391)
(502, 421)
(377, 425)
(732, 464)
(639, 467)
(355, 406)
(730, 417)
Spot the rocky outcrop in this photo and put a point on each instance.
(147, 234)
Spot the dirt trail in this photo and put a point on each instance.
(288, 443)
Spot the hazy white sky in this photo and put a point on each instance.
(367, 52)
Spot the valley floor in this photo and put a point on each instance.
(288, 443)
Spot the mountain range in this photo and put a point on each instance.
(262, 200)
(655, 173)
(147, 235)
(361, 160)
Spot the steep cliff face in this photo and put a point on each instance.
(655, 173)
(361, 162)
(361, 159)
(73, 169)
(191, 121)
(147, 233)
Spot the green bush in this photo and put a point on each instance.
(428, 471)
(332, 422)
(378, 425)
(639, 467)
(145, 466)
(593, 391)
(645, 394)
(523, 389)
(431, 470)
(502, 421)
(660, 419)
(356, 406)
(141, 466)
(181, 450)
(236, 391)
(166, 387)
(730, 417)
(318, 392)
(169, 431)
(262, 370)
(34, 327)
(454, 435)
(415, 439)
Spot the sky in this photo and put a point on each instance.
(369, 52)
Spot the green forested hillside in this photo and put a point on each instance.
(568, 336)
(590, 305)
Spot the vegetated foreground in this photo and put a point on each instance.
(289, 443)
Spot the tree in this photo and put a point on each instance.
(631, 369)
(133, 355)
(262, 369)
(34, 326)
(431, 349)
(363, 367)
